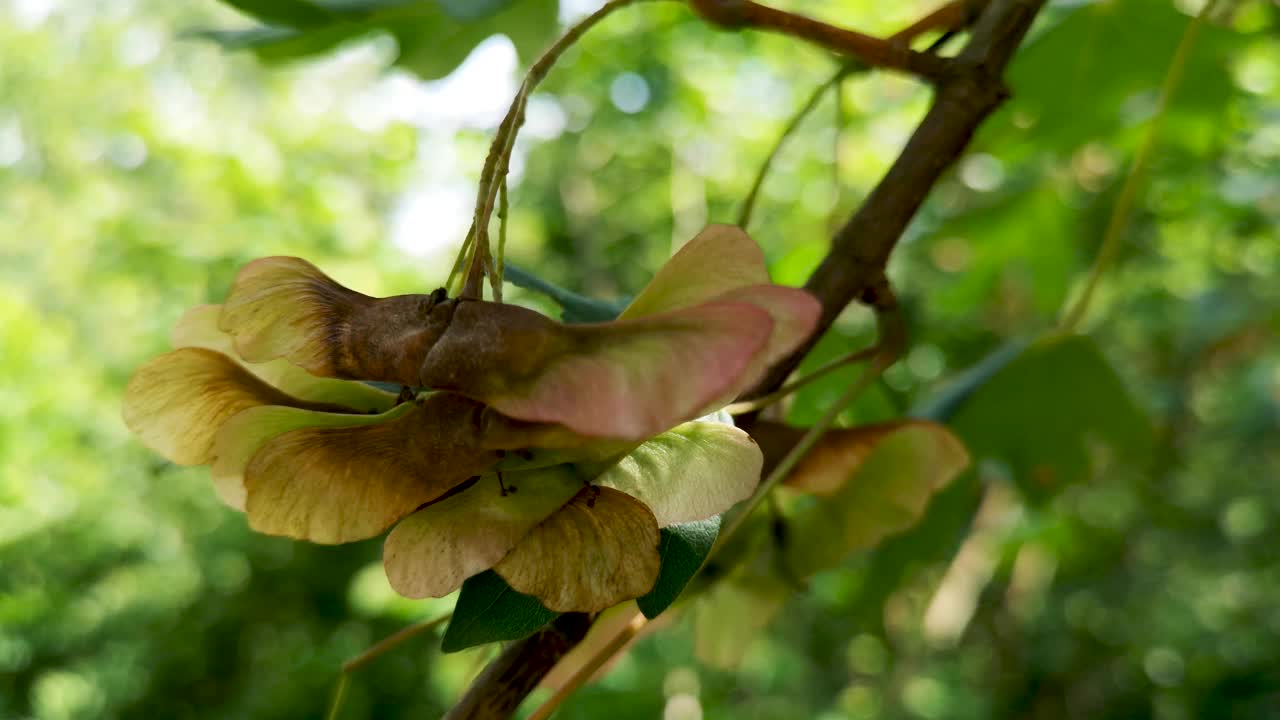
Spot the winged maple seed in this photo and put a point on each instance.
(267, 389)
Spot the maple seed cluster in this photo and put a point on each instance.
(551, 453)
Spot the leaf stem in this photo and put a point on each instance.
(461, 260)
(498, 161)
(391, 642)
(837, 129)
(500, 268)
(760, 403)
(379, 649)
(339, 696)
(749, 203)
(952, 15)
(1128, 192)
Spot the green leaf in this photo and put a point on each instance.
(1055, 415)
(433, 42)
(576, 308)
(1037, 266)
(292, 13)
(472, 9)
(683, 548)
(944, 405)
(275, 44)
(488, 610)
(1004, 390)
(730, 615)
(1092, 52)
(434, 36)
(934, 538)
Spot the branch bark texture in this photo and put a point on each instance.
(874, 51)
(509, 678)
(969, 87)
(973, 89)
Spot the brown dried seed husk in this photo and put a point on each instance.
(595, 552)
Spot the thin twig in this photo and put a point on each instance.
(379, 649)
(391, 642)
(952, 14)
(874, 51)
(749, 203)
(339, 696)
(590, 667)
(1129, 191)
(765, 401)
(498, 160)
(837, 130)
(948, 18)
(501, 265)
(460, 261)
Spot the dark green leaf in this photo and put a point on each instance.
(942, 406)
(467, 10)
(291, 13)
(1037, 266)
(488, 610)
(1052, 414)
(434, 36)
(1092, 53)
(274, 44)
(935, 538)
(683, 548)
(245, 39)
(1007, 390)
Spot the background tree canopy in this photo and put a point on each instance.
(1110, 554)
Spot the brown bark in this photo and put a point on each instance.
(510, 677)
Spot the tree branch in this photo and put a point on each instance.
(854, 268)
(967, 94)
(874, 51)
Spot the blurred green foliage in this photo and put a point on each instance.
(432, 36)
(139, 168)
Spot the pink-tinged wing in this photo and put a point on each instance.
(720, 259)
(627, 379)
(795, 314)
